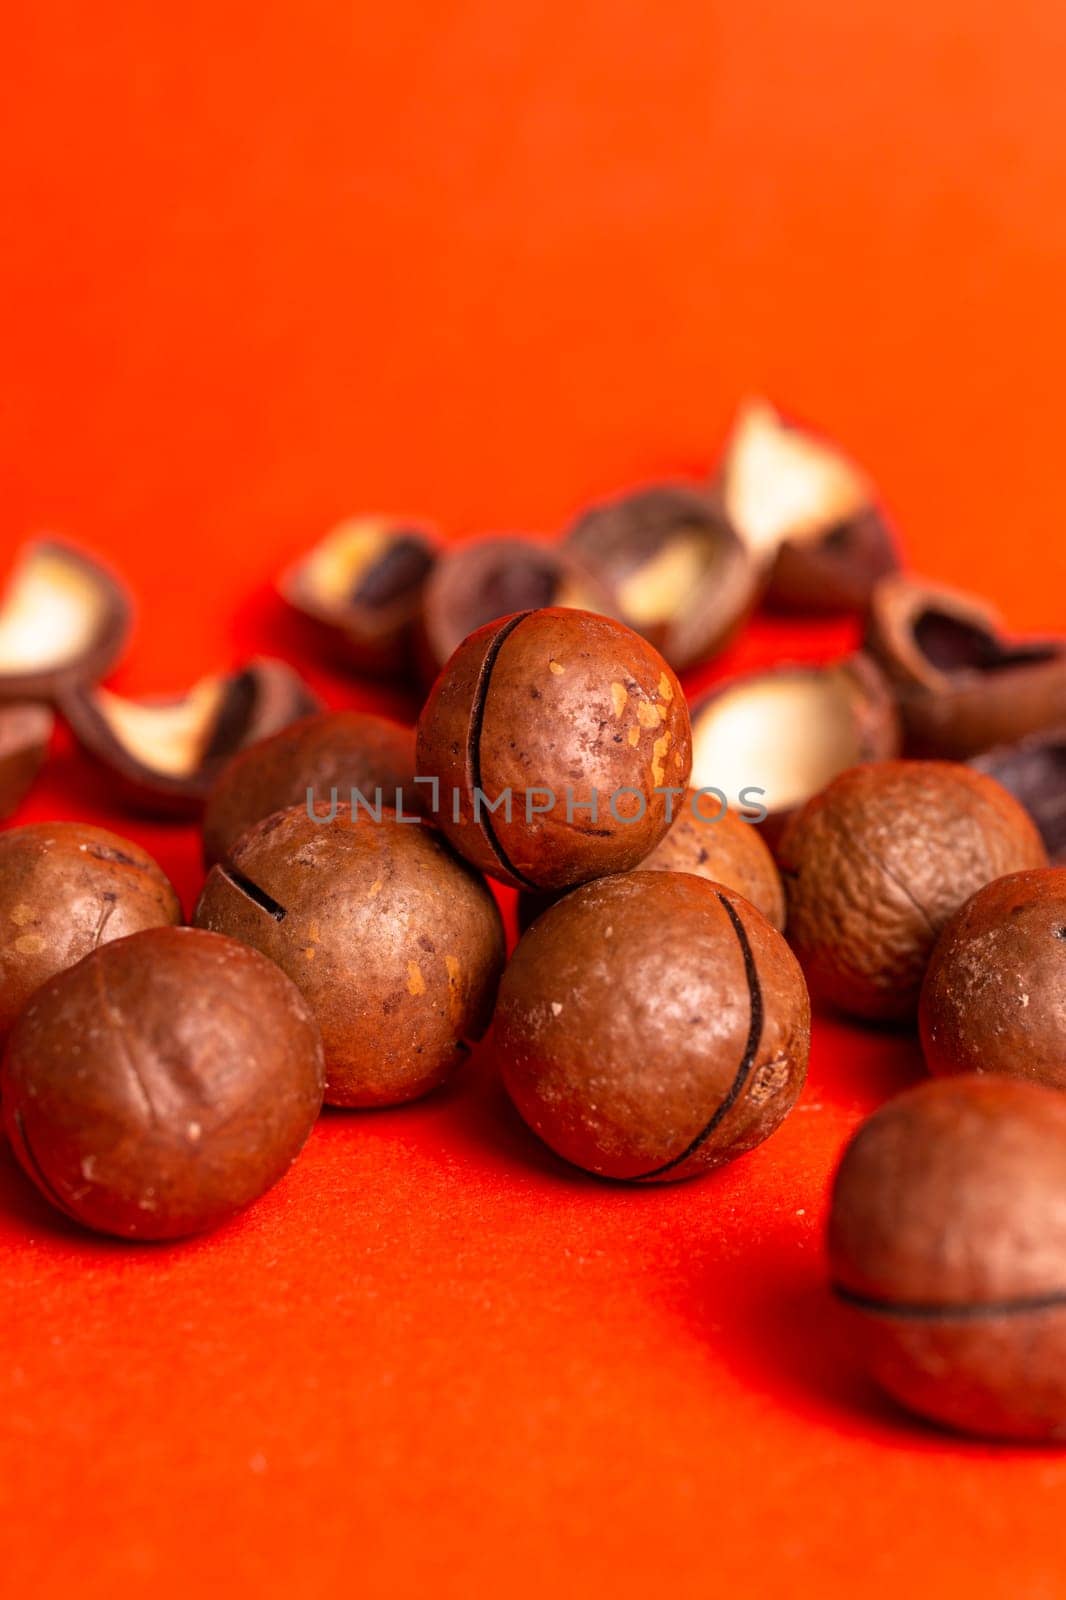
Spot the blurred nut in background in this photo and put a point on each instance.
(1034, 770)
(25, 730)
(63, 620)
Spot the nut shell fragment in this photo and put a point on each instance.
(24, 734)
(64, 619)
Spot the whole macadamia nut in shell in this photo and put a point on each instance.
(652, 1026)
(396, 944)
(947, 1246)
(566, 722)
(162, 1083)
(876, 864)
(994, 997)
(65, 888)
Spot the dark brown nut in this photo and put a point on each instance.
(677, 571)
(806, 513)
(712, 843)
(66, 888)
(961, 685)
(166, 754)
(361, 588)
(63, 620)
(330, 755)
(396, 945)
(652, 1026)
(876, 864)
(476, 583)
(573, 725)
(992, 1000)
(947, 1247)
(24, 734)
(161, 1084)
(1034, 770)
(771, 740)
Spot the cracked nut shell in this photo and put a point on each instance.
(962, 686)
(554, 707)
(64, 619)
(477, 583)
(161, 1084)
(806, 513)
(709, 843)
(876, 864)
(947, 1249)
(783, 734)
(652, 1026)
(1034, 770)
(65, 888)
(336, 752)
(396, 944)
(25, 731)
(677, 571)
(361, 588)
(992, 1000)
(166, 753)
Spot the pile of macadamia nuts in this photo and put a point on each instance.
(884, 832)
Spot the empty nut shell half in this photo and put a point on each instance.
(328, 756)
(1034, 770)
(947, 1250)
(361, 587)
(24, 734)
(807, 514)
(473, 584)
(773, 739)
(652, 1026)
(677, 571)
(166, 753)
(962, 686)
(63, 620)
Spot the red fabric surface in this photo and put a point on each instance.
(266, 264)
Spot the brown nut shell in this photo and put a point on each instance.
(64, 619)
(486, 579)
(65, 889)
(396, 945)
(25, 730)
(161, 1084)
(1034, 770)
(166, 754)
(652, 1026)
(947, 1246)
(994, 997)
(876, 864)
(361, 589)
(330, 755)
(677, 571)
(771, 740)
(962, 686)
(710, 843)
(806, 513)
(560, 710)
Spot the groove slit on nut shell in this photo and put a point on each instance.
(928, 1311)
(253, 892)
(754, 1039)
(473, 747)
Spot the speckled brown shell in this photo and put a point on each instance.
(962, 686)
(724, 849)
(947, 1246)
(25, 730)
(162, 1083)
(876, 864)
(652, 1026)
(994, 997)
(334, 752)
(396, 945)
(622, 539)
(565, 701)
(65, 888)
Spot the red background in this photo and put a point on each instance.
(264, 264)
